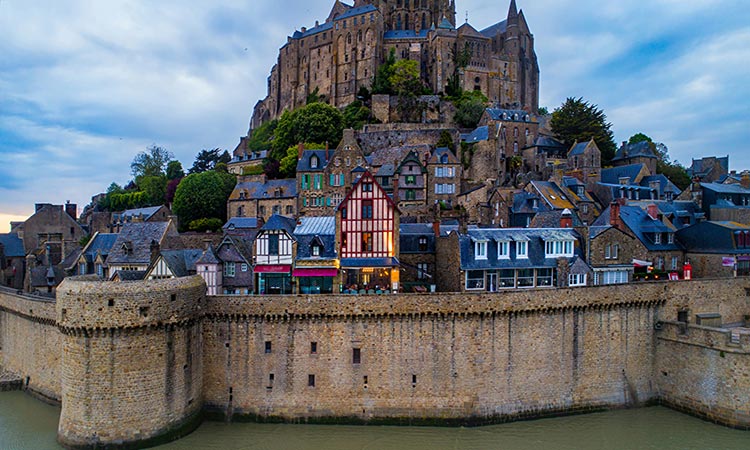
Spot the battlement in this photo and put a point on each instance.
(86, 303)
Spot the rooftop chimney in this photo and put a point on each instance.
(745, 179)
(653, 211)
(300, 149)
(436, 228)
(71, 209)
(614, 215)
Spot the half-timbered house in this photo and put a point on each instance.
(368, 238)
(274, 255)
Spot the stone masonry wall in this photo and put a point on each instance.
(132, 362)
(704, 372)
(30, 342)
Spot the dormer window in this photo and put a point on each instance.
(670, 238)
(522, 249)
(556, 249)
(444, 159)
(315, 250)
(581, 191)
(503, 250)
(657, 238)
(480, 249)
(313, 162)
(423, 243)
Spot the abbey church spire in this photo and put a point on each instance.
(512, 11)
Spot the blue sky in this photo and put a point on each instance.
(85, 85)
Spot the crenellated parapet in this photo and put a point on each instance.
(86, 303)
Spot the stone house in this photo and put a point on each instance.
(709, 169)
(545, 156)
(656, 248)
(243, 157)
(499, 202)
(410, 182)
(638, 153)
(725, 202)
(137, 245)
(53, 225)
(257, 196)
(585, 162)
(233, 270)
(340, 171)
(611, 251)
(717, 249)
(311, 186)
(12, 261)
(575, 190)
(501, 135)
(273, 252)
(417, 255)
(472, 204)
(93, 257)
(367, 238)
(160, 213)
(316, 265)
(444, 173)
(504, 258)
(634, 182)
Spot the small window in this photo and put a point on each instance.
(313, 348)
(367, 241)
(503, 250)
(522, 249)
(366, 187)
(480, 250)
(356, 356)
(243, 267)
(268, 346)
(315, 250)
(367, 208)
(311, 380)
(423, 243)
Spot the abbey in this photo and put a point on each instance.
(341, 55)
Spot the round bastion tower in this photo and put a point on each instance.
(132, 361)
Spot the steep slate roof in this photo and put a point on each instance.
(314, 30)
(386, 170)
(639, 223)
(508, 114)
(131, 275)
(612, 175)
(595, 231)
(243, 245)
(445, 24)
(551, 193)
(257, 190)
(641, 149)
(241, 223)
(722, 237)
(404, 34)
(480, 134)
(146, 213)
(670, 209)
(704, 166)
(438, 154)
(391, 155)
(208, 257)
(409, 235)
(139, 236)
(181, 262)
(551, 219)
(578, 149)
(356, 11)
(536, 251)
(279, 222)
(491, 31)
(411, 157)
(39, 276)
(664, 184)
(101, 243)
(468, 30)
(303, 164)
(12, 245)
(725, 188)
(316, 229)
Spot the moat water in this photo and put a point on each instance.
(27, 424)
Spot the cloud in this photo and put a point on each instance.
(84, 85)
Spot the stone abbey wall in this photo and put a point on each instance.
(133, 363)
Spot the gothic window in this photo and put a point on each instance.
(349, 38)
(398, 22)
(359, 36)
(424, 21)
(406, 22)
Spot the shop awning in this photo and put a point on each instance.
(641, 263)
(281, 268)
(315, 272)
(359, 263)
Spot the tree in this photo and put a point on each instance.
(288, 164)
(639, 137)
(207, 160)
(261, 138)
(174, 170)
(469, 109)
(381, 82)
(150, 163)
(203, 196)
(446, 140)
(578, 120)
(406, 83)
(316, 122)
(315, 96)
(356, 115)
(461, 59)
(171, 189)
(154, 188)
(542, 111)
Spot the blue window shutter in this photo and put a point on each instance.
(328, 201)
(332, 180)
(341, 177)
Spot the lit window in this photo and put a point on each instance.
(367, 242)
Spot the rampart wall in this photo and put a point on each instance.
(135, 363)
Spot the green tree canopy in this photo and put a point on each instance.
(203, 196)
(469, 109)
(288, 164)
(673, 170)
(316, 122)
(381, 83)
(174, 170)
(639, 137)
(446, 140)
(207, 160)
(155, 189)
(578, 120)
(405, 78)
(262, 137)
(356, 115)
(150, 163)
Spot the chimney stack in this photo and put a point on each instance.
(71, 209)
(614, 215)
(745, 179)
(300, 149)
(436, 228)
(653, 211)
(154, 250)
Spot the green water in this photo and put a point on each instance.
(26, 423)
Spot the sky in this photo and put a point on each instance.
(85, 85)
